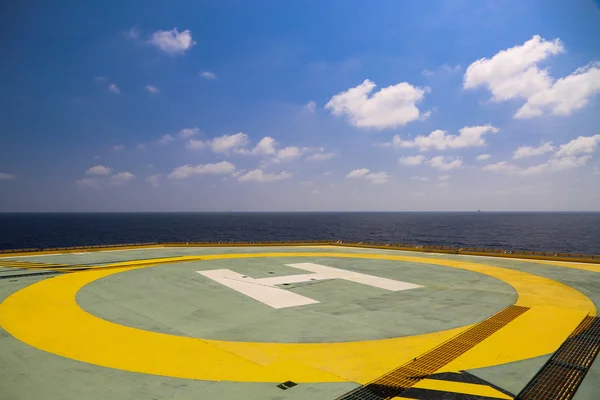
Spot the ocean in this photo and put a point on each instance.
(556, 232)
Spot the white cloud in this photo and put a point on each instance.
(580, 145)
(118, 147)
(420, 178)
(440, 163)
(226, 143)
(411, 160)
(185, 171)
(444, 69)
(514, 73)
(358, 173)
(188, 132)
(208, 75)
(195, 144)
(258, 175)
(327, 173)
(113, 88)
(6, 177)
(552, 165)
(565, 95)
(151, 89)
(121, 178)
(154, 180)
(469, 136)
(501, 166)
(444, 177)
(556, 164)
(100, 79)
(287, 154)
(365, 173)
(442, 184)
(266, 146)
(388, 108)
(172, 42)
(321, 156)
(530, 151)
(483, 157)
(310, 107)
(166, 139)
(99, 170)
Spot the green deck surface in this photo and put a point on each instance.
(174, 299)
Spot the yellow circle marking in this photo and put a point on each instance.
(45, 315)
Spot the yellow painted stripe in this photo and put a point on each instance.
(460, 387)
(58, 325)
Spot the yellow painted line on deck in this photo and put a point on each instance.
(46, 316)
(460, 387)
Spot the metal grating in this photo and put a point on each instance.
(562, 374)
(405, 376)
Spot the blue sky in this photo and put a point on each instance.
(312, 105)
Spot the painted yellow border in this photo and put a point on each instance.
(45, 315)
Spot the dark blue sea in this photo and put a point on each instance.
(557, 232)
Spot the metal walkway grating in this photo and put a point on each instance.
(405, 376)
(562, 374)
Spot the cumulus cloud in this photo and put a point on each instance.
(310, 107)
(258, 175)
(166, 139)
(411, 160)
(365, 173)
(580, 145)
(113, 88)
(121, 178)
(7, 177)
(99, 170)
(388, 108)
(172, 42)
(444, 69)
(286, 154)
(445, 163)
(188, 132)
(483, 157)
(226, 143)
(514, 73)
(573, 154)
(556, 164)
(118, 147)
(151, 89)
(420, 178)
(501, 166)
(266, 146)
(195, 144)
(321, 156)
(565, 95)
(185, 171)
(208, 75)
(469, 136)
(530, 151)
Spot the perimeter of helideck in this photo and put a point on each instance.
(235, 323)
